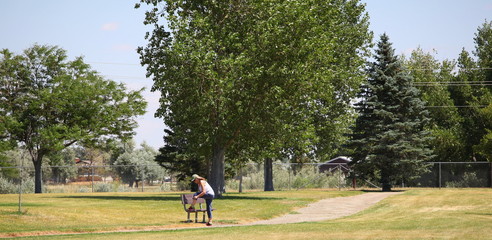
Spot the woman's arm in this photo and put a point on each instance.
(202, 184)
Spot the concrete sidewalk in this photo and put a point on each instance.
(330, 208)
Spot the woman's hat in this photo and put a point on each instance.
(195, 176)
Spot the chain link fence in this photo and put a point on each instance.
(153, 178)
(455, 175)
(88, 178)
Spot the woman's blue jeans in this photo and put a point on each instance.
(208, 200)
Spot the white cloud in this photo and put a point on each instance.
(112, 26)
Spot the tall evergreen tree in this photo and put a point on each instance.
(389, 139)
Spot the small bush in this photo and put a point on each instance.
(124, 188)
(184, 185)
(6, 186)
(468, 180)
(165, 187)
(84, 190)
(103, 187)
(56, 190)
(284, 178)
(10, 187)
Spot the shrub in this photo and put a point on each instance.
(468, 180)
(165, 187)
(103, 187)
(183, 185)
(9, 187)
(284, 178)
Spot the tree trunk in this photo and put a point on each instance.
(268, 175)
(217, 171)
(385, 182)
(38, 174)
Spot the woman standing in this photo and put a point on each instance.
(206, 192)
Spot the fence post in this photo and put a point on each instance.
(20, 190)
(288, 169)
(439, 175)
(339, 178)
(92, 177)
(142, 172)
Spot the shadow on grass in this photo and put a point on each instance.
(479, 213)
(236, 197)
(164, 198)
(379, 191)
(24, 204)
(126, 198)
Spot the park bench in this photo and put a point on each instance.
(187, 199)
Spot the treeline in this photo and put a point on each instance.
(258, 81)
(124, 161)
(49, 103)
(458, 96)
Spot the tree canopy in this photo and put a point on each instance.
(472, 92)
(136, 165)
(48, 103)
(251, 76)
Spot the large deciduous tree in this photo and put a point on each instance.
(137, 165)
(473, 92)
(434, 78)
(389, 139)
(48, 103)
(247, 76)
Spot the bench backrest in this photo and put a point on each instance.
(188, 199)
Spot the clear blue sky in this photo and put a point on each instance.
(107, 32)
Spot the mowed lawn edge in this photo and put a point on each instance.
(95, 212)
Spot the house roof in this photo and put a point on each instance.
(340, 159)
(78, 161)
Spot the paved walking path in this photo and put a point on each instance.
(330, 208)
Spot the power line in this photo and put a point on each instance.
(477, 82)
(411, 69)
(443, 85)
(125, 77)
(433, 69)
(463, 106)
(418, 84)
(114, 63)
(465, 83)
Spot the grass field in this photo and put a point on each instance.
(415, 214)
(86, 212)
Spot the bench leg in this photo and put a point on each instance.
(196, 217)
(189, 220)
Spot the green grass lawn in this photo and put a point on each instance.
(86, 212)
(414, 214)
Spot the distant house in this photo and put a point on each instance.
(335, 164)
(86, 171)
(82, 162)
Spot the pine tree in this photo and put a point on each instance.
(389, 139)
